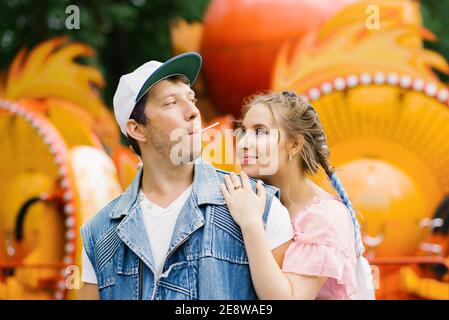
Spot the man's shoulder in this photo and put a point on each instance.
(102, 219)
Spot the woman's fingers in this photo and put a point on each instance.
(260, 189)
(236, 180)
(229, 184)
(245, 181)
(233, 183)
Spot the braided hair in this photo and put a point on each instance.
(301, 119)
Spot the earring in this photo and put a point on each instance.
(290, 157)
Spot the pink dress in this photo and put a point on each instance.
(324, 246)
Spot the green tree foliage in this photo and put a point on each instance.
(435, 18)
(125, 33)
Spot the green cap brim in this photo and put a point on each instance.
(186, 64)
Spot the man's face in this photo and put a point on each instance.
(173, 120)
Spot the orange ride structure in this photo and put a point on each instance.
(241, 38)
(59, 144)
(363, 66)
(386, 116)
(385, 113)
(61, 162)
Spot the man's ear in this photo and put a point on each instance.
(135, 130)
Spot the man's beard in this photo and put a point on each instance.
(159, 140)
(166, 148)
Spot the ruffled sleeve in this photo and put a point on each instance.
(324, 245)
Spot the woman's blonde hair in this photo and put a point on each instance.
(300, 120)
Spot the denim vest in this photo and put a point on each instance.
(206, 258)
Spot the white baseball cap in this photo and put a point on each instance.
(134, 85)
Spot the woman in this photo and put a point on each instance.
(322, 260)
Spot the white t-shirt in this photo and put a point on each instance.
(160, 224)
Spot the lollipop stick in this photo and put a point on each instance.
(212, 125)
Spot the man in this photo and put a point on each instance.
(170, 234)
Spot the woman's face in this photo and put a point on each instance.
(261, 146)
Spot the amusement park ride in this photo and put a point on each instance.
(384, 111)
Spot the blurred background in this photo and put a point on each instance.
(376, 71)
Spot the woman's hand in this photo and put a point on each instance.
(245, 206)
